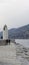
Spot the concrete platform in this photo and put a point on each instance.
(8, 53)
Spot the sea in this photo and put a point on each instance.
(24, 42)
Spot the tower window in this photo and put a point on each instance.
(4, 28)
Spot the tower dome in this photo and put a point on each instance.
(5, 32)
(5, 26)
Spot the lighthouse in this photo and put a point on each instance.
(5, 32)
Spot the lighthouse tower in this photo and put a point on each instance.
(5, 32)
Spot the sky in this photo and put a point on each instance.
(14, 13)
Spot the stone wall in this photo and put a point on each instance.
(4, 42)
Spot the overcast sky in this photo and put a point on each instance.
(14, 13)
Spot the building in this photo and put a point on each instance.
(5, 40)
(5, 32)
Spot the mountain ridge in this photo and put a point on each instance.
(20, 33)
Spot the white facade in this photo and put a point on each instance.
(5, 33)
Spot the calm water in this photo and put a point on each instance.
(24, 42)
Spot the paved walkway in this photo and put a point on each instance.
(8, 53)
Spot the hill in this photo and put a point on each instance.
(19, 33)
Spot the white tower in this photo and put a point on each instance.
(5, 33)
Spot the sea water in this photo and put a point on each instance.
(24, 42)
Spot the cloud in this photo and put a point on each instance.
(7, 1)
(14, 13)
